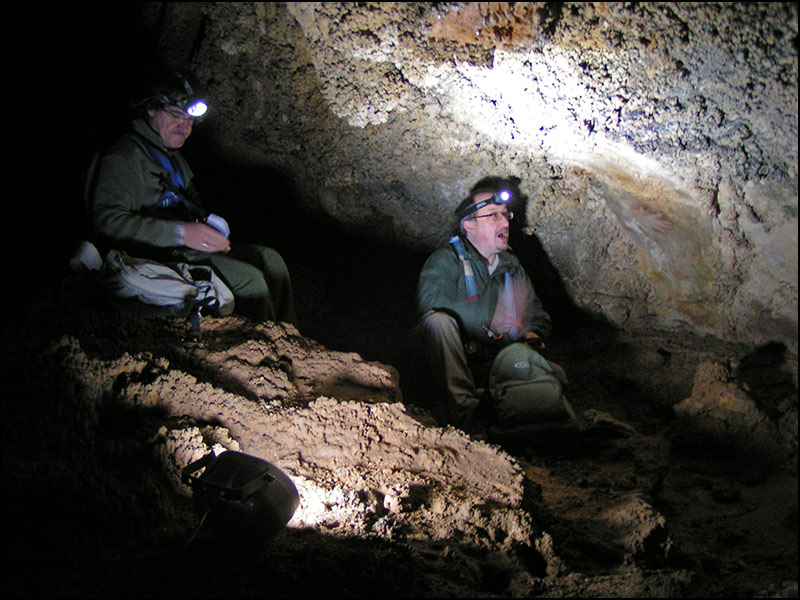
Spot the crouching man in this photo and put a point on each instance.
(480, 321)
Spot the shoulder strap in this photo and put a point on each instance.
(176, 192)
(469, 275)
(163, 160)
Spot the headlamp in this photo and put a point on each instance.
(194, 107)
(499, 197)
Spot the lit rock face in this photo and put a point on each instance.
(655, 146)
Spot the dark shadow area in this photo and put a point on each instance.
(70, 74)
(567, 317)
(768, 378)
(353, 293)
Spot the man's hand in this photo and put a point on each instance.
(200, 236)
(533, 340)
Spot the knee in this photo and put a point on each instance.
(435, 321)
(273, 264)
(251, 281)
(437, 327)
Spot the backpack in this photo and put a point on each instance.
(527, 394)
(178, 289)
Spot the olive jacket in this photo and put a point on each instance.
(487, 317)
(127, 182)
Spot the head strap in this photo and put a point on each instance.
(500, 197)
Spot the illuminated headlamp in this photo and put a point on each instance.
(499, 197)
(195, 108)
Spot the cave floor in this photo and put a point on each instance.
(732, 523)
(731, 519)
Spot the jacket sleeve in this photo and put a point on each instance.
(442, 287)
(536, 319)
(125, 185)
(518, 310)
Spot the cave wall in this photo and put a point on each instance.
(654, 144)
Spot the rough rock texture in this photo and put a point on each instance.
(655, 143)
(362, 466)
(103, 409)
(655, 148)
(723, 410)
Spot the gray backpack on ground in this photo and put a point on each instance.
(528, 396)
(180, 288)
(152, 289)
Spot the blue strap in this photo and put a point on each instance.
(469, 276)
(166, 163)
(176, 180)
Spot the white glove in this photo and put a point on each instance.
(219, 224)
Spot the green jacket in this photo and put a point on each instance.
(442, 286)
(127, 181)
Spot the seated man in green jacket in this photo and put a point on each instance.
(142, 202)
(478, 311)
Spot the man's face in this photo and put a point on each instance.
(172, 124)
(487, 230)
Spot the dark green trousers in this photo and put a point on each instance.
(257, 276)
(439, 336)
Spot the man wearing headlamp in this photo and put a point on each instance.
(475, 300)
(144, 203)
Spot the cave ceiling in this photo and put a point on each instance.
(653, 145)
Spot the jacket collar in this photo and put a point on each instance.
(504, 258)
(143, 129)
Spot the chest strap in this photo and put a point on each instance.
(469, 275)
(175, 185)
(472, 293)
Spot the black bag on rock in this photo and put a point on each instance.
(241, 497)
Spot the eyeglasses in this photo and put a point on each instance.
(497, 216)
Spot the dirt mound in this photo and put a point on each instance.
(102, 410)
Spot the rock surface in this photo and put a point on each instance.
(654, 151)
(361, 466)
(103, 409)
(721, 409)
(655, 144)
